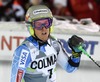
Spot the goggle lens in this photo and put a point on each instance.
(39, 24)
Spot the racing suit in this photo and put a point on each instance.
(33, 62)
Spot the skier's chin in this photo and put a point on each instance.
(44, 39)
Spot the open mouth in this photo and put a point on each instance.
(44, 33)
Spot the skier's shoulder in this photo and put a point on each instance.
(53, 38)
(23, 46)
(55, 43)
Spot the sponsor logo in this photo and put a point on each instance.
(35, 12)
(19, 75)
(44, 62)
(91, 45)
(23, 58)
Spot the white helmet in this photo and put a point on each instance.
(35, 13)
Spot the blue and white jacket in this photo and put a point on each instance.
(34, 63)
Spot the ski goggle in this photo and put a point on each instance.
(40, 23)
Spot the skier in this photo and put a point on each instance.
(35, 59)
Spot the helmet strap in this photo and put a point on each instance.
(40, 42)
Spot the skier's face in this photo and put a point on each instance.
(42, 32)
